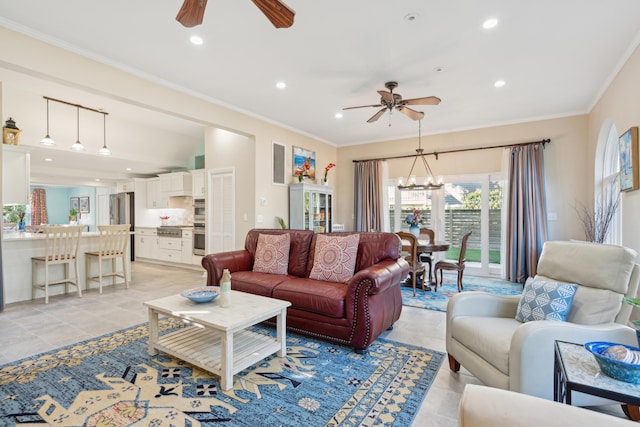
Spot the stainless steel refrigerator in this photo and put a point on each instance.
(122, 211)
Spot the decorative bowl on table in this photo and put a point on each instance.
(199, 295)
(619, 361)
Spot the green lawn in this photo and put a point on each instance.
(473, 255)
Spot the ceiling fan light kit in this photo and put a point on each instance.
(429, 183)
(279, 14)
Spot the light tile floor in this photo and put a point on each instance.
(32, 327)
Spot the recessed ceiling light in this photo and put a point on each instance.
(338, 115)
(489, 23)
(98, 179)
(411, 17)
(499, 83)
(197, 40)
(281, 85)
(48, 159)
(128, 169)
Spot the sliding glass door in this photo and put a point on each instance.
(466, 203)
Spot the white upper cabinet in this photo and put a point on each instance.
(155, 198)
(16, 163)
(199, 179)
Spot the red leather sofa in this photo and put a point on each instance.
(353, 313)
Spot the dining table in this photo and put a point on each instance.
(425, 246)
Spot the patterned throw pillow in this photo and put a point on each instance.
(335, 258)
(543, 300)
(272, 254)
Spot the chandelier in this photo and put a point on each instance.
(429, 183)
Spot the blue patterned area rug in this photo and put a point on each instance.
(438, 300)
(112, 381)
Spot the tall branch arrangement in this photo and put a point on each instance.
(596, 220)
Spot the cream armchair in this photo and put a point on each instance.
(484, 336)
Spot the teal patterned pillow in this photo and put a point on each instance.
(543, 300)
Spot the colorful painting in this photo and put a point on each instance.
(300, 157)
(84, 204)
(74, 204)
(628, 145)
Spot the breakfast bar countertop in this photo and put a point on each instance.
(25, 235)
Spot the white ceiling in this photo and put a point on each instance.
(555, 56)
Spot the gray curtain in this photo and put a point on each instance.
(368, 196)
(526, 211)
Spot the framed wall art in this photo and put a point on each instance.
(74, 204)
(628, 146)
(84, 204)
(300, 156)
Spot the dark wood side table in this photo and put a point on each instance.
(575, 369)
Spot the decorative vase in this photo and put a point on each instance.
(415, 230)
(21, 226)
(325, 182)
(300, 178)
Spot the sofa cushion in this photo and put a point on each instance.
(272, 254)
(256, 283)
(325, 298)
(488, 337)
(545, 300)
(334, 258)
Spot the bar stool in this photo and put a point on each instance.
(61, 248)
(112, 245)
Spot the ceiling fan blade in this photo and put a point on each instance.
(377, 115)
(363, 106)
(427, 100)
(386, 96)
(280, 15)
(191, 12)
(412, 114)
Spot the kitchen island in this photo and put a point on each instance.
(18, 247)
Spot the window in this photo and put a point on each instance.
(607, 184)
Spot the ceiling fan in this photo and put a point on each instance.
(390, 100)
(280, 15)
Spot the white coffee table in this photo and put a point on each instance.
(216, 339)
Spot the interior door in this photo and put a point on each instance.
(220, 226)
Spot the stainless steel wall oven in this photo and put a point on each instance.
(199, 211)
(199, 237)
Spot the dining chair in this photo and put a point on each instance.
(410, 247)
(61, 248)
(112, 245)
(427, 257)
(452, 265)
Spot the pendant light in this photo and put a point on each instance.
(77, 146)
(104, 151)
(47, 140)
(429, 183)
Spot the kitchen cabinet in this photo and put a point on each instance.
(126, 187)
(311, 207)
(199, 183)
(176, 184)
(16, 162)
(170, 249)
(146, 243)
(187, 246)
(155, 198)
